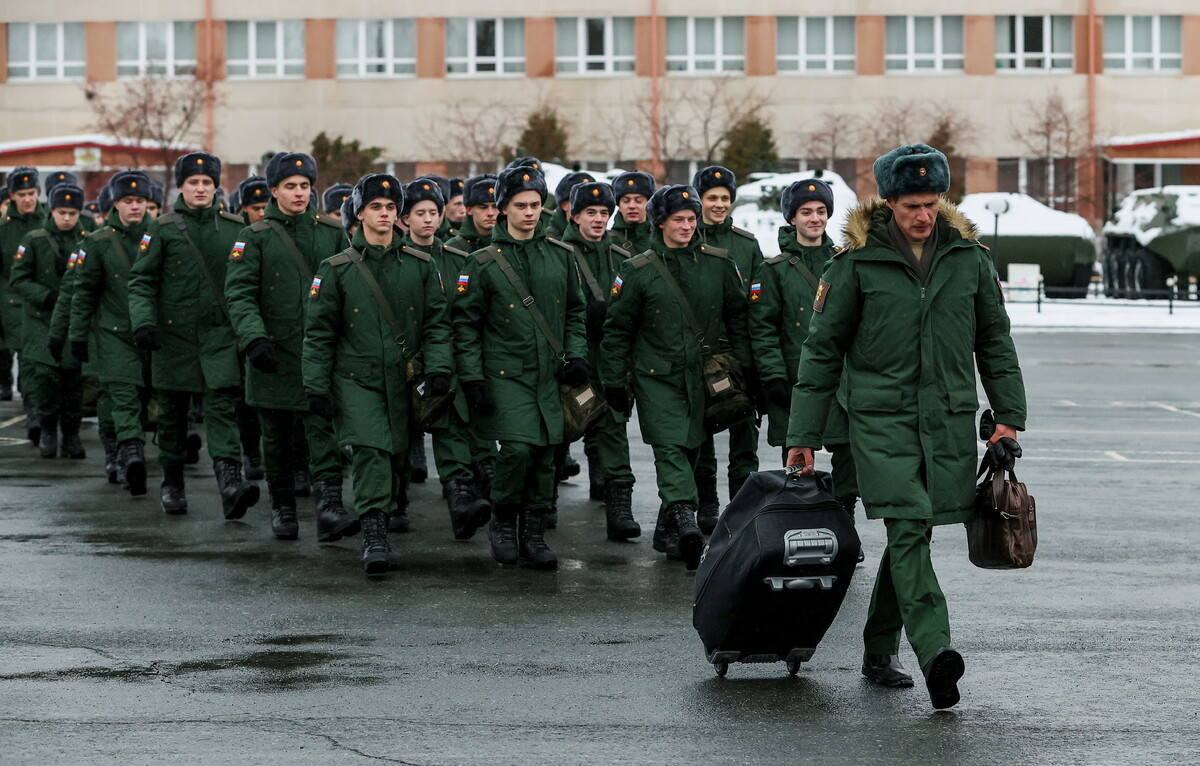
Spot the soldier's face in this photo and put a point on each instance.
(152, 209)
(65, 218)
(197, 191)
(484, 217)
(335, 214)
(633, 207)
(131, 209)
(915, 214)
(378, 216)
(592, 222)
(456, 211)
(715, 204)
(523, 211)
(292, 194)
(422, 221)
(26, 200)
(678, 228)
(810, 221)
(255, 213)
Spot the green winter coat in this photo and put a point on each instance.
(910, 352)
(267, 290)
(60, 318)
(558, 223)
(634, 237)
(468, 239)
(13, 229)
(648, 341)
(350, 351)
(100, 303)
(741, 245)
(446, 229)
(596, 264)
(169, 290)
(38, 268)
(498, 342)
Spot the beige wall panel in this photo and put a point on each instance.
(3, 52)
(870, 42)
(982, 175)
(431, 48)
(644, 31)
(100, 39)
(979, 45)
(1191, 44)
(760, 45)
(320, 49)
(539, 47)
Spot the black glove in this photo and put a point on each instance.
(146, 338)
(261, 353)
(79, 350)
(321, 405)
(618, 398)
(479, 397)
(596, 313)
(1005, 453)
(55, 347)
(49, 301)
(778, 392)
(436, 384)
(574, 372)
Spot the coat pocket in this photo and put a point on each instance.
(648, 364)
(963, 401)
(503, 366)
(357, 367)
(875, 400)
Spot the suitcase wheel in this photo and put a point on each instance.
(722, 667)
(793, 666)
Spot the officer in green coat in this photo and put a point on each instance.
(519, 332)
(271, 267)
(24, 215)
(371, 309)
(178, 311)
(718, 191)
(630, 229)
(651, 354)
(909, 312)
(606, 444)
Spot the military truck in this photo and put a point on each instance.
(1153, 236)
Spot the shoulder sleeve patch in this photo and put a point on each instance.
(228, 216)
(260, 226)
(744, 233)
(822, 294)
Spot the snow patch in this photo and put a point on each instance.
(1025, 217)
(1139, 214)
(764, 224)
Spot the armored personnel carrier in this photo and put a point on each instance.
(1153, 236)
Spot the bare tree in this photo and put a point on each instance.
(150, 115)
(477, 134)
(1052, 132)
(835, 139)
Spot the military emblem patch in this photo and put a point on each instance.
(79, 259)
(145, 243)
(822, 294)
(316, 287)
(463, 281)
(71, 261)
(616, 288)
(20, 253)
(236, 253)
(1000, 289)
(756, 291)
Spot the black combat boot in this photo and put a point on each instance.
(377, 557)
(193, 443)
(398, 519)
(132, 462)
(48, 442)
(595, 473)
(618, 510)
(173, 500)
(72, 446)
(484, 471)
(284, 524)
(112, 451)
(418, 468)
(33, 424)
(302, 483)
(6, 376)
(710, 505)
(333, 520)
(691, 540)
(237, 494)
(568, 467)
(532, 551)
(467, 512)
(666, 537)
(253, 466)
(502, 534)
(848, 502)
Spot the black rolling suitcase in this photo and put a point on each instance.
(775, 571)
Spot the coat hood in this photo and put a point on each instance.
(861, 219)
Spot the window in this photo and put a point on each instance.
(485, 46)
(1051, 181)
(45, 51)
(1143, 43)
(593, 46)
(376, 48)
(265, 48)
(702, 44)
(156, 48)
(1035, 42)
(924, 43)
(815, 44)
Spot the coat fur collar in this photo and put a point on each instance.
(858, 224)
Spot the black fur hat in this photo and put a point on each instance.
(443, 184)
(713, 176)
(373, 186)
(66, 195)
(801, 192)
(197, 164)
(253, 191)
(235, 201)
(633, 182)
(514, 180)
(589, 194)
(60, 177)
(425, 188)
(457, 187)
(912, 169)
(157, 192)
(480, 190)
(287, 164)
(92, 208)
(348, 216)
(669, 200)
(105, 199)
(334, 196)
(562, 192)
(21, 178)
(526, 162)
(130, 183)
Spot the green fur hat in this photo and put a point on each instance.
(912, 169)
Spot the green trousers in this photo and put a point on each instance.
(610, 439)
(125, 401)
(56, 391)
(845, 474)
(220, 424)
(452, 454)
(743, 454)
(524, 476)
(289, 435)
(675, 469)
(378, 478)
(907, 595)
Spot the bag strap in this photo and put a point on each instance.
(527, 301)
(804, 271)
(219, 294)
(122, 257)
(376, 292)
(588, 276)
(290, 245)
(673, 286)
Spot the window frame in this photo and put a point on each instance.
(265, 69)
(828, 61)
(1155, 55)
(171, 64)
(389, 60)
(60, 63)
(472, 60)
(690, 58)
(609, 59)
(1018, 58)
(939, 56)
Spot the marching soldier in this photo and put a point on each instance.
(371, 308)
(24, 215)
(87, 223)
(630, 230)
(177, 309)
(253, 194)
(154, 204)
(519, 332)
(456, 210)
(446, 229)
(562, 193)
(651, 354)
(607, 443)
(38, 268)
(333, 198)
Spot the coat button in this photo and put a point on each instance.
(502, 372)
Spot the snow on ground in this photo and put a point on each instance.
(764, 224)
(1025, 216)
(1097, 314)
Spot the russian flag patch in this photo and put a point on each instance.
(316, 287)
(616, 288)
(463, 281)
(20, 252)
(145, 244)
(756, 291)
(236, 253)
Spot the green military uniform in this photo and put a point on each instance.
(468, 239)
(634, 237)
(351, 354)
(909, 347)
(445, 230)
(557, 224)
(13, 229)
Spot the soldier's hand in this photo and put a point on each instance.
(778, 392)
(1004, 452)
(803, 457)
(597, 312)
(146, 338)
(479, 397)
(261, 353)
(79, 350)
(436, 384)
(574, 372)
(321, 405)
(55, 347)
(618, 399)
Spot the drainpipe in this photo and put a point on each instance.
(1093, 160)
(655, 56)
(209, 95)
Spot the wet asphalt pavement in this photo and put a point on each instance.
(127, 636)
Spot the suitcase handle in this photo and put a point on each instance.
(823, 582)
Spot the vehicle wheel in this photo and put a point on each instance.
(721, 667)
(793, 666)
(1149, 275)
(1110, 272)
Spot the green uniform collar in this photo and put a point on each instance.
(500, 234)
(114, 220)
(201, 215)
(275, 214)
(634, 230)
(359, 243)
(572, 236)
(789, 244)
